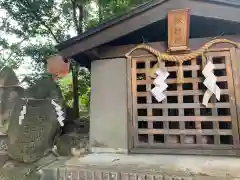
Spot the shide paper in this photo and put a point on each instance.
(59, 112)
(210, 83)
(160, 85)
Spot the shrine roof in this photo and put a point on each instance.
(130, 26)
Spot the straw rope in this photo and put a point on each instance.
(181, 58)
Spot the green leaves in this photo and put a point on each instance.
(83, 85)
(11, 53)
(38, 25)
(66, 8)
(39, 52)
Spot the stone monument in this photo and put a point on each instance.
(30, 119)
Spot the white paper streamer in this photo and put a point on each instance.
(59, 112)
(210, 83)
(160, 85)
(22, 114)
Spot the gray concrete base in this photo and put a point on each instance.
(136, 167)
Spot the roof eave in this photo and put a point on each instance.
(72, 46)
(133, 12)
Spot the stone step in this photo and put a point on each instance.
(108, 166)
(61, 171)
(80, 169)
(71, 173)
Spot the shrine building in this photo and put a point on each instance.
(165, 79)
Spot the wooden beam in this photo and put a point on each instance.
(120, 51)
(214, 9)
(235, 52)
(92, 54)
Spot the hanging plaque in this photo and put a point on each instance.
(178, 30)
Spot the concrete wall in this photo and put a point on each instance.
(108, 116)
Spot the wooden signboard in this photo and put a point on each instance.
(178, 30)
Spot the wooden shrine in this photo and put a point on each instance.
(166, 84)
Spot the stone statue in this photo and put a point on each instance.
(30, 120)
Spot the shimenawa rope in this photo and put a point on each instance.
(181, 58)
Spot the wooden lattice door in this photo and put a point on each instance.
(180, 123)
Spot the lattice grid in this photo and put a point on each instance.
(181, 120)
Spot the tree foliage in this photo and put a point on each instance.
(44, 23)
(84, 87)
(108, 9)
(38, 25)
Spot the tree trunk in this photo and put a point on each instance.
(75, 69)
(75, 91)
(100, 11)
